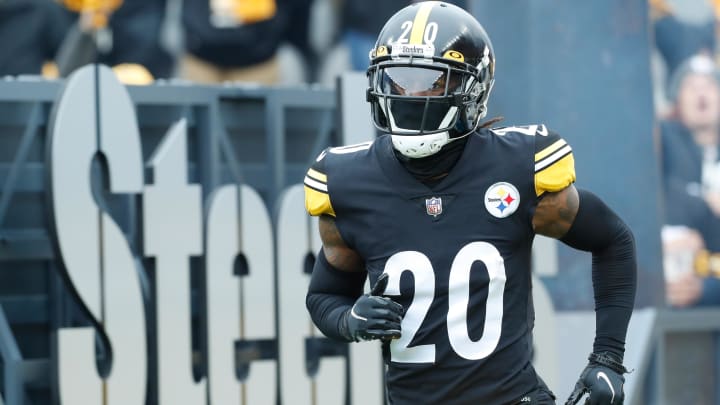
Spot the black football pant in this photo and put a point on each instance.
(539, 396)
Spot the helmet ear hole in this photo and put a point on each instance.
(475, 92)
(471, 113)
(474, 107)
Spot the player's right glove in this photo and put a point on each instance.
(373, 316)
(602, 379)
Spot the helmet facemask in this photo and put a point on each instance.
(424, 104)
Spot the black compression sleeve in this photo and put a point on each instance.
(331, 293)
(599, 230)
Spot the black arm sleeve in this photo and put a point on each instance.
(331, 293)
(599, 230)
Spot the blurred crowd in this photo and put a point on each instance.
(313, 41)
(687, 103)
(203, 41)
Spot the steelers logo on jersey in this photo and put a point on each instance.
(502, 199)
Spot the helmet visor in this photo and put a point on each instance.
(418, 81)
(417, 98)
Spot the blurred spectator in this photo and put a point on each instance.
(678, 39)
(681, 245)
(682, 28)
(233, 40)
(30, 34)
(123, 33)
(136, 29)
(361, 21)
(360, 24)
(690, 141)
(297, 32)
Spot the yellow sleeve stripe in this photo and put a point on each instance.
(554, 157)
(315, 184)
(557, 176)
(420, 22)
(550, 149)
(317, 202)
(316, 175)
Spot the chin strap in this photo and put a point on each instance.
(420, 146)
(491, 121)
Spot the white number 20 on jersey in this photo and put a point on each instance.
(458, 297)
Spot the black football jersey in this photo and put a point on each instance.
(457, 255)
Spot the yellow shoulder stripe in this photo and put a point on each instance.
(318, 202)
(556, 176)
(550, 149)
(316, 175)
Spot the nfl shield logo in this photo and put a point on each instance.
(433, 206)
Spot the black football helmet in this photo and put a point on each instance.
(430, 75)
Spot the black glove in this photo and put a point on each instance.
(602, 379)
(373, 316)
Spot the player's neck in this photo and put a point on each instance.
(432, 169)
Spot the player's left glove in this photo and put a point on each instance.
(602, 379)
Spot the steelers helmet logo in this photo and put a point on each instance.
(378, 52)
(502, 199)
(455, 55)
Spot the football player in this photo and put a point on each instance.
(440, 213)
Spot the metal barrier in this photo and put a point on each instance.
(12, 364)
(261, 137)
